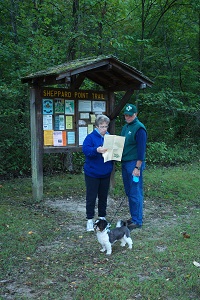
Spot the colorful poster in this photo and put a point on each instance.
(70, 137)
(69, 122)
(59, 106)
(59, 138)
(48, 137)
(47, 106)
(69, 107)
(59, 122)
(47, 122)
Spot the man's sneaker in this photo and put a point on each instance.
(129, 221)
(90, 226)
(133, 226)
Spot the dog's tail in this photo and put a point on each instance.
(120, 223)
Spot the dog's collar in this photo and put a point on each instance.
(105, 230)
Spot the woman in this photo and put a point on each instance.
(97, 173)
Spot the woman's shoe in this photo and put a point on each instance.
(90, 226)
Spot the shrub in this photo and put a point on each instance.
(161, 154)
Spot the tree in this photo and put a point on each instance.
(159, 37)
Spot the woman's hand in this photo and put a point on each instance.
(101, 150)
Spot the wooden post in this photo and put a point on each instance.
(36, 144)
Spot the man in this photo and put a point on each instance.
(133, 163)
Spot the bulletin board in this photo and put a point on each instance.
(69, 116)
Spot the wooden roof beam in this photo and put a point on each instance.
(137, 75)
(121, 88)
(121, 104)
(76, 81)
(98, 79)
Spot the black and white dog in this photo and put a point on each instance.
(107, 237)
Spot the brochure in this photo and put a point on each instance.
(115, 146)
(59, 122)
(59, 138)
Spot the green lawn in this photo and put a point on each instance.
(47, 254)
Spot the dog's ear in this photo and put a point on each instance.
(102, 224)
(95, 222)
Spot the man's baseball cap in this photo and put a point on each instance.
(130, 109)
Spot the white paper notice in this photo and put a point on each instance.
(84, 105)
(57, 138)
(82, 134)
(99, 106)
(84, 115)
(47, 122)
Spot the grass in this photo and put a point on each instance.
(46, 253)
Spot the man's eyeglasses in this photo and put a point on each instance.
(102, 127)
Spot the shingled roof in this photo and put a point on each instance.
(106, 71)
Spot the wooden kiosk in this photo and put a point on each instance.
(62, 113)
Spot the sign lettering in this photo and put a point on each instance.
(68, 94)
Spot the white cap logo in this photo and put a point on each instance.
(128, 108)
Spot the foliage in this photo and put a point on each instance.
(14, 138)
(177, 114)
(160, 38)
(158, 153)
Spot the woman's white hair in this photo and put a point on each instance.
(101, 119)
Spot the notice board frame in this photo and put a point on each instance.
(82, 117)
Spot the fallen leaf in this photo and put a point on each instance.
(6, 225)
(21, 238)
(196, 264)
(57, 229)
(186, 235)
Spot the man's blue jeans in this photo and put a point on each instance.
(134, 191)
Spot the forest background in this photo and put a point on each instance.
(160, 38)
